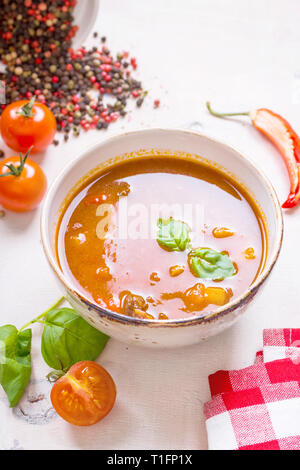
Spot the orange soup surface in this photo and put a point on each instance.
(161, 238)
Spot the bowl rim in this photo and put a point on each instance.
(121, 318)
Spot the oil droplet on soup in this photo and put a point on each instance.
(222, 232)
(249, 253)
(106, 239)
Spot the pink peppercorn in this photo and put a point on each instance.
(42, 6)
(105, 67)
(133, 63)
(75, 98)
(114, 116)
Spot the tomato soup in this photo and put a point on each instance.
(161, 238)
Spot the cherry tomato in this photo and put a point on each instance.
(85, 394)
(24, 186)
(27, 124)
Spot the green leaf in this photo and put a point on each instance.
(210, 264)
(15, 361)
(67, 338)
(173, 235)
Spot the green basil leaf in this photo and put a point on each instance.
(173, 235)
(67, 338)
(15, 361)
(210, 264)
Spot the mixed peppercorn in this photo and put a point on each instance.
(36, 47)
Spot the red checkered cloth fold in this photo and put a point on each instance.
(257, 375)
(263, 418)
(259, 357)
(282, 337)
(282, 343)
(257, 407)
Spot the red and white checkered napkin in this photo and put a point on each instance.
(258, 407)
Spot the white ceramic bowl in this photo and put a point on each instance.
(85, 15)
(166, 333)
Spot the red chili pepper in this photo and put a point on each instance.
(283, 137)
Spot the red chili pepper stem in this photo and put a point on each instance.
(221, 115)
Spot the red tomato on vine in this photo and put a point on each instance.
(22, 183)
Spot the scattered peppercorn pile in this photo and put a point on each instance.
(36, 47)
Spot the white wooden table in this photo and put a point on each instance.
(240, 54)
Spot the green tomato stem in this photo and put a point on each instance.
(221, 115)
(40, 317)
(17, 170)
(54, 375)
(26, 110)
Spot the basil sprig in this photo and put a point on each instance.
(207, 263)
(67, 338)
(15, 362)
(173, 235)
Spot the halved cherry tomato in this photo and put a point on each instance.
(27, 124)
(22, 184)
(85, 394)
